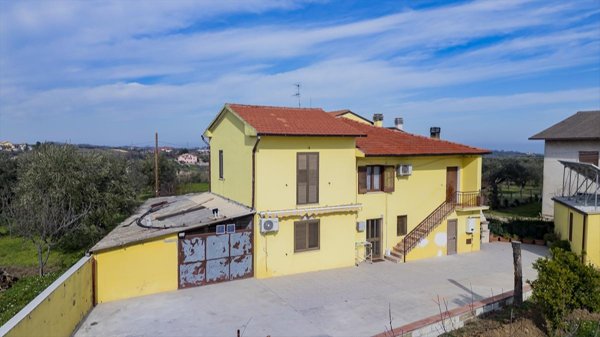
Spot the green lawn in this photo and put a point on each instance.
(19, 258)
(512, 192)
(191, 188)
(530, 210)
(16, 252)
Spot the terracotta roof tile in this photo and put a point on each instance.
(285, 121)
(385, 142)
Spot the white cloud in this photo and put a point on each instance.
(125, 61)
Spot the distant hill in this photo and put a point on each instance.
(512, 154)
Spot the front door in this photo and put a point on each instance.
(452, 236)
(451, 183)
(374, 236)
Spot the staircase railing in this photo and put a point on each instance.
(460, 199)
(426, 226)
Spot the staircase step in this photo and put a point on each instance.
(393, 258)
(396, 253)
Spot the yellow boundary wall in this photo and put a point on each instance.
(58, 310)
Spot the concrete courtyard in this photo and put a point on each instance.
(341, 302)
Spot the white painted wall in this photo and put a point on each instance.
(555, 150)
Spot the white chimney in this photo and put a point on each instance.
(399, 123)
(378, 120)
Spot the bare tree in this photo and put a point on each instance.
(43, 221)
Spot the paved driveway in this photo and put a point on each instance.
(342, 302)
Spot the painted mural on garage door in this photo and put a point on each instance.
(211, 258)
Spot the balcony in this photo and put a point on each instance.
(465, 201)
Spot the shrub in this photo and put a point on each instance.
(564, 284)
(550, 238)
(562, 244)
(536, 229)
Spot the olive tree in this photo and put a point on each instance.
(67, 197)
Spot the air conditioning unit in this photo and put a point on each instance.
(269, 225)
(404, 170)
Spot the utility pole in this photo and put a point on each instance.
(156, 186)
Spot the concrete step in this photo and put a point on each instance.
(393, 258)
(396, 253)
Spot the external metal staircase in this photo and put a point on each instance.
(432, 221)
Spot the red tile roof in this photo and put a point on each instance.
(284, 121)
(385, 142)
(372, 140)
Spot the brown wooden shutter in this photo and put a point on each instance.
(389, 175)
(300, 237)
(301, 178)
(590, 157)
(220, 164)
(362, 179)
(313, 234)
(313, 178)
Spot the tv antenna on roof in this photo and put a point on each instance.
(297, 94)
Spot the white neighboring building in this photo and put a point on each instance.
(576, 138)
(7, 146)
(187, 158)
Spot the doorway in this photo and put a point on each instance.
(374, 237)
(451, 183)
(451, 235)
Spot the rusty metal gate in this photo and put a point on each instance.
(212, 258)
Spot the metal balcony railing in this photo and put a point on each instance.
(470, 199)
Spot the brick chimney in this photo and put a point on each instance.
(435, 131)
(378, 120)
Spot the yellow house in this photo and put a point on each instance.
(332, 189)
(577, 210)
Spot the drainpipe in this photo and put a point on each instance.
(208, 144)
(254, 171)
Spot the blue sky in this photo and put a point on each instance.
(489, 73)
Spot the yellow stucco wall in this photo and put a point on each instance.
(417, 196)
(593, 239)
(275, 177)
(229, 135)
(276, 190)
(139, 269)
(60, 312)
(436, 242)
(275, 256)
(592, 235)
(355, 118)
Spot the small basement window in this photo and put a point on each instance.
(401, 225)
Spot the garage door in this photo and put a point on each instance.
(212, 258)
